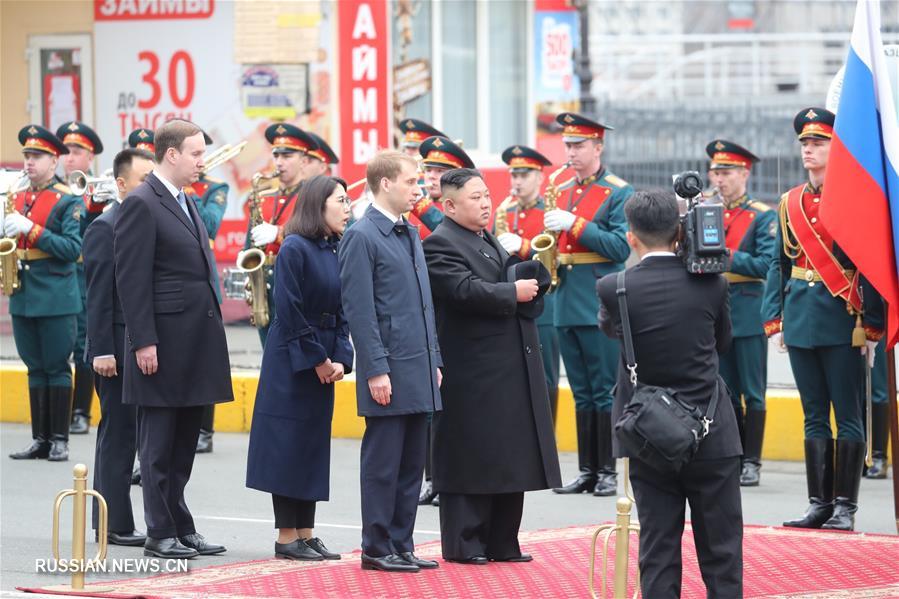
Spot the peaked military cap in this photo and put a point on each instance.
(322, 150)
(75, 132)
(577, 128)
(35, 138)
(285, 137)
(142, 139)
(443, 153)
(523, 158)
(814, 122)
(727, 154)
(416, 131)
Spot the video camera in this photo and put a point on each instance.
(701, 245)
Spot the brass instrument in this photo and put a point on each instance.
(10, 184)
(251, 261)
(222, 155)
(501, 221)
(101, 189)
(622, 529)
(546, 244)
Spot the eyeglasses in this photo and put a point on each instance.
(346, 201)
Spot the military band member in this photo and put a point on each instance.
(321, 157)
(83, 144)
(414, 133)
(142, 139)
(814, 306)
(438, 155)
(45, 308)
(749, 234)
(524, 221)
(591, 225)
(290, 146)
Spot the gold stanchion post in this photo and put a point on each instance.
(621, 529)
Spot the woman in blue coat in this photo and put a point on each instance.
(307, 351)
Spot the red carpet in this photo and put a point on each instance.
(779, 562)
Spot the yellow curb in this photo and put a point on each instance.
(783, 431)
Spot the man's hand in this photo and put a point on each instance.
(439, 378)
(338, 372)
(510, 242)
(105, 366)
(526, 290)
(325, 371)
(264, 234)
(868, 351)
(146, 359)
(778, 340)
(558, 220)
(16, 224)
(380, 389)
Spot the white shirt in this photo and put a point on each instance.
(168, 184)
(393, 217)
(651, 254)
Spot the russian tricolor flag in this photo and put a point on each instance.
(861, 186)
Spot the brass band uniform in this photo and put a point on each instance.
(427, 213)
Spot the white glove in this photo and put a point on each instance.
(264, 234)
(868, 351)
(16, 224)
(510, 242)
(558, 220)
(778, 340)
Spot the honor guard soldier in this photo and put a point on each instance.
(210, 196)
(321, 157)
(749, 234)
(591, 227)
(290, 146)
(142, 139)
(825, 314)
(438, 155)
(414, 132)
(83, 144)
(518, 220)
(45, 308)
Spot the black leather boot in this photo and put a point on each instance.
(60, 402)
(586, 456)
(850, 457)
(40, 427)
(819, 477)
(752, 447)
(880, 423)
(81, 400)
(606, 477)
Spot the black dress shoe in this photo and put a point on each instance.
(606, 485)
(297, 550)
(524, 557)
(169, 548)
(80, 424)
(424, 564)
(388, 563)
(427, 493)
(128, 539)
(59, 451)
(38, 450)
(477, 560)
(202, 546)
(316, 545)
(436, 501)
(204, 442)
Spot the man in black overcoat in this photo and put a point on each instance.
(494, 439)
(177, 359)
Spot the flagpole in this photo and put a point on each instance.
(894, 429)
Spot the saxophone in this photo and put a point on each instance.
(546, 244)
(252, 260)
(501, 221)
(9, 260)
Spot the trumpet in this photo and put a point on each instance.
(101, 189)
(221, 156)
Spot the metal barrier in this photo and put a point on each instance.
(621, 529)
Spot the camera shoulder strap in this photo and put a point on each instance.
(626, 338)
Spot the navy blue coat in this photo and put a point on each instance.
(387, 301)
(290, 438)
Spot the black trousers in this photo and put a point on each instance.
(168, 442)
(393, 459)
(207, 425)
(480, 525)
(114, 457)
(293, 513)
(712, 488)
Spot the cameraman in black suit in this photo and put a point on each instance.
(679, 322)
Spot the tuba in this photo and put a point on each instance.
(501, 220)
(10, 183)
(546, 244)
(251, 261)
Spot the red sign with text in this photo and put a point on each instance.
(141, 10)
(365, 105)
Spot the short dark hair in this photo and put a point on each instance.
(171, 134)
(653, 216)
(308, 218)
(122, 162)
(457, 178)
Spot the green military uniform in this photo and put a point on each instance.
(45, 306)
(749, 235)
(594, 246)
(79, 134)
(813, 297)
